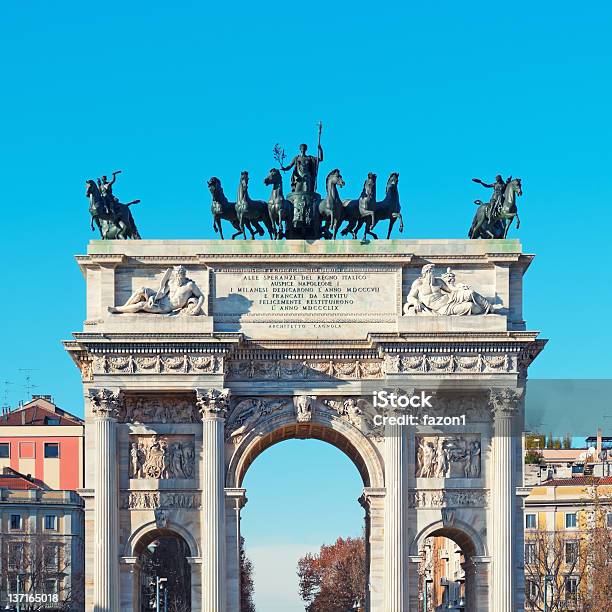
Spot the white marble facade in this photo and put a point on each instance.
(292, 339)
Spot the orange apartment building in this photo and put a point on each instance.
(45, 442)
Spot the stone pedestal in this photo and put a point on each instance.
(105, 406)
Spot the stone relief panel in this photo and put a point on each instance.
(159, 363)
(457, 498)
(158, 409)
(452, 456)
(286, 369)
(423, 363)
(250, 412)
(176, 294)
(162, 457)
(443, 296)
(149, 500)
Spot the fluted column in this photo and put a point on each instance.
(396, 560)
(504, 405)
(213, 408)
(105, 407)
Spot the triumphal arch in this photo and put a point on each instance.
(196, 356)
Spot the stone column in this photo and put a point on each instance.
(212, 404)
(130, 584)
(504, 404)
(373, 502)
(235, 500)
(195, 565)
(105, 407)
(396, 559)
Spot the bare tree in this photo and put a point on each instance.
(43, 567)
(575, 567)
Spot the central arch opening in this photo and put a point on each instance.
(303, 486)
(165, 573)
(446, 571)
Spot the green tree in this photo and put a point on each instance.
(247, 586)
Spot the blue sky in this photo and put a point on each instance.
(172, 94)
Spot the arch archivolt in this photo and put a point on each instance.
(461, 532)
(256, 423)
(151, 530)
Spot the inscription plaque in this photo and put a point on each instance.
(318, 297)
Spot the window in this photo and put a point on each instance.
(5, 450)
(609, 520)
(16, 522)
(51, 450)
(571, 588)
(531, 590)
(16, 556)
(51, 522)
(51, 557)
(50, 586)
(570, 520)
(530, 521)
(571, 552)
(27, 450)
(531, 553)
(52, 421)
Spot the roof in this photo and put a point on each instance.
(12, 479)
(577, 481)
(561, 454)
(37, 412)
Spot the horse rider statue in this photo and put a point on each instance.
(497, 198)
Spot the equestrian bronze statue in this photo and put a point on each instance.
(113, 219)
(494, 218)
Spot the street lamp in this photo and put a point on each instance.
(159, 584)
(18, 579)
(548, 578)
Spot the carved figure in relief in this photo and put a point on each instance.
(136, 461)
(160, 458)
(448, 457)
(474, 452)
(433, 295)
(427, 459)
(188, 460)
(176, 293)
(443, 470)
(304, 408)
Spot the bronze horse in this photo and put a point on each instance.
(248, 210)
(117, 223)
(389, 208)
(222, 208)
(364, 207)
(280, 210)
(330, 208)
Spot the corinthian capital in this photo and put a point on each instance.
(105, 403)
(505, 401)
(212, 402)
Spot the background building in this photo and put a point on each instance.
(44, 441)
(41, 542)
(568, 542)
